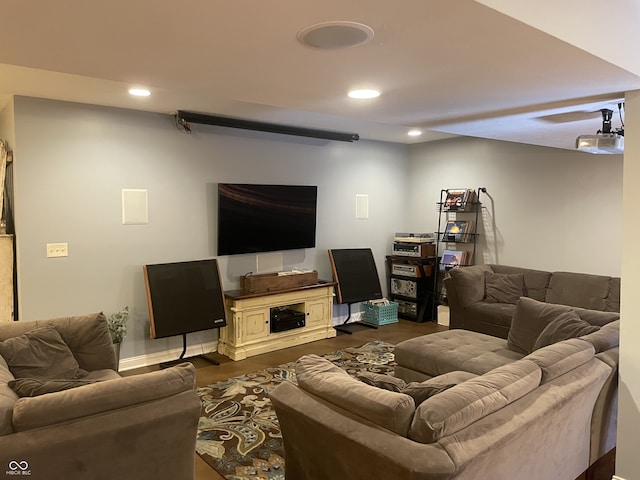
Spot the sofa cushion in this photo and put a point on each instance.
(607, 336)
(463, 404)
(529, 319)
(380, 380)
(578, 290)
(452, 350)
(557, 359)
(320, 377)
(101, 397)
(419, 391)
(7, 399)
(86, 335)
(536, 282)
(40, 353)
(32, 387)
(503, 287)
(491, 318)
(567, 325)
(595, 317)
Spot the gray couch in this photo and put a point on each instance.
(482, 298)
(535, 326)
(528, 419)
(137, 427)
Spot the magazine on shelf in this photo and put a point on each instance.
(470, 200)
(455, 199)
(460, 200)
(456, 231)
(451, 259)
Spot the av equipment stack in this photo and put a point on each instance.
(410, 272)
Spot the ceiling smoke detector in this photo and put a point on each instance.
(335, 35)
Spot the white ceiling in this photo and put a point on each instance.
(504, 69)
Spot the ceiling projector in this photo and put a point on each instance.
(601, 143)
(605, 140)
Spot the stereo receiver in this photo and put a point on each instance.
(405, 270)
(415, 250)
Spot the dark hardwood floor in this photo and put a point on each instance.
(208, 373)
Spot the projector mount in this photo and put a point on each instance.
(606, 121)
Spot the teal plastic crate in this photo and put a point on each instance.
(380, 314)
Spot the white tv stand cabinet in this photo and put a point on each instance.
(248, 331)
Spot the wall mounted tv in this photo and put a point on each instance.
(265, 218)
(184, 297)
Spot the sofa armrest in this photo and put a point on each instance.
(148, 441)
(359, 448)
(468, 283)
(99, 398)
(465, 286)
(605, 412)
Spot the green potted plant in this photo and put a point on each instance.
(118, 328)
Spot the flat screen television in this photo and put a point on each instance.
(265, 218)
(354, 270)
(184, 297)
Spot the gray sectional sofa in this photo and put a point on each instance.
(482, 298)
(541, 404)
(67, 413)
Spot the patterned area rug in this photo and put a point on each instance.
(238, 432)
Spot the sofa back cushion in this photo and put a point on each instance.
(559, 358)
(87, 336)
(40, 353)
(578, 290)
(566, 326)
(535, 281)
(391, 410)
(461, 405)
(529, 320)
(7, 399)
(595, 317)
(503, 287)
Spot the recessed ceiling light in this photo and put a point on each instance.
(139, 92)
(414, 133)
(364, 94)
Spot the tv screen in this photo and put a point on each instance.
(354, 269)
(184, 297)
(265, 218)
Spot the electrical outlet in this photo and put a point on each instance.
(57, 250)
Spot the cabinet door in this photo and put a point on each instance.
(256, 324)
(317, 312)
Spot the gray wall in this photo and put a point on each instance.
(546, 208)
(74, 160)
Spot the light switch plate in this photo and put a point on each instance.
(57, 250)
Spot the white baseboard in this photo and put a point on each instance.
(192, 350)
(615, 477)
(166, 356)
